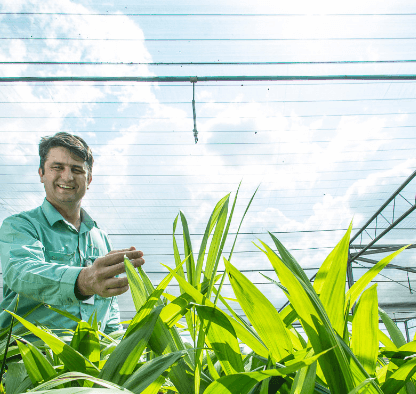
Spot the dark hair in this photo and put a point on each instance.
(73, 143)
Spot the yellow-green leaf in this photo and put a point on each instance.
(364, 339)
(222, 339)
(261, 314)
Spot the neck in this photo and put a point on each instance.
(70, 212)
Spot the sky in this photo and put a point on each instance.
(323, 153)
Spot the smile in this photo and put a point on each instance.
(66, 187)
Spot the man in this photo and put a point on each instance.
(56, 254)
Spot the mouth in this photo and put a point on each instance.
(65, 187)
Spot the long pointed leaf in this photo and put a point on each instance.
(242, 383)
(304, 382)
(37, 366)
(210, 226)
(137, 288)
(126, 355)
(86, 342)
(150, 371)
(364, 330)
(330, 283)
(242, 219)
(222, 338)
(358, 287)
(398, 379)
(71, 377)
(395, 334)
(190, 263)
(316, 325)
(73, 360)
(261, 314)
(242, 332)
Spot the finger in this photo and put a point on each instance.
(134, 254)
(110, 271)
(114, 283)
(137, 262)
(115, 291)
(122, 250)
(117, 257)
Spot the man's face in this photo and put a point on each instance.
(66, 177)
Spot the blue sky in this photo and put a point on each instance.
(323, 152)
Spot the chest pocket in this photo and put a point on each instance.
(61, 258)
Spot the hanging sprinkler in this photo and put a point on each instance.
(194, 80)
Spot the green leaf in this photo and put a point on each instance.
(384, 339)
(357, 389)
(72, 360)
(213, 372)
(16, 373)
(242, 383)
(317, 326)
(148, 285)
(176, 250)
(215, 249)
(304, 382)
(398, 379)
(168, 341)
(395, 334)
(84, 390)
(37, 366)
(242, 219)
(86, 342)
(242, 332)
(290, 261)
(154, 387)
(150, 371)
(123, 360)
(64, 313)
(75, 376)
(330, 283)
(138, 291)
(213, 220)
(364, 330)
(358, 371)
(261, 314)
(222, 339)
(190, 263)
(152, 299)
(358, 287)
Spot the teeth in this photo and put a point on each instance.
(65, 187)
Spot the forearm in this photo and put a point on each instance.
(44, 282)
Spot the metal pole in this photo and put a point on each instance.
(215, 78)
(406, 327)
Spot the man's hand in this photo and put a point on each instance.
(100, 279)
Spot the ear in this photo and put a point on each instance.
(40, 172)
(89, 178)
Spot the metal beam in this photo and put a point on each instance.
(397, 267)
(390, 249)
(394, 224)
(230, 78)
(389, 200)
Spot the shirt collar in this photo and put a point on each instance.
(53, 216)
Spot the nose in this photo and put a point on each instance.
(67, 174)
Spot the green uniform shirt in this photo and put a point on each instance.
(42, 255)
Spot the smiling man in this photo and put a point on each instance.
(56, 254)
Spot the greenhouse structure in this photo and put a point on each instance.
(260, 155)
